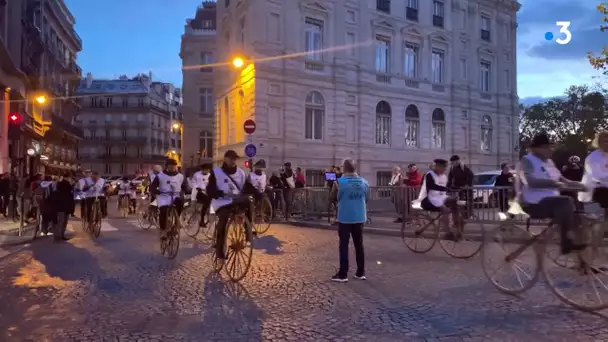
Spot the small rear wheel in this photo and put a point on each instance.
(190, 219)
(263, 216)
(143, 218)
(466, 242)
(419, 233)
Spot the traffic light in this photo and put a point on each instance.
(15, 118)
(247, 164)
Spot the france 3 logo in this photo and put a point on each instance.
(563, 30)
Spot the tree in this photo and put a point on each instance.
(572, 122)
(600, 62)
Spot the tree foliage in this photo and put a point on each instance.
(600, 62)
(571, 121)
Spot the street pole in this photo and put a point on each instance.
(6, 108)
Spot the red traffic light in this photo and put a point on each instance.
(246, 163)
(14, 117)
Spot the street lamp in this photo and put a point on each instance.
(40, 99)
(175, 126)
(238, 62)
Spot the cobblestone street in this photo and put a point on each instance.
(120, 288)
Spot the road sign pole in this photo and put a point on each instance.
(249, 127)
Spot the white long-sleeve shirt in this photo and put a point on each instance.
(595, 175)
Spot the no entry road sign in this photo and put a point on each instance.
(250, 150)
(249, 126)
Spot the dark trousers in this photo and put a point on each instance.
(4, 203)
(560, 209)
(221, 229)
(345, 231)
(163, 212)
(205, 202)
(61, 223)
(276, 199)
(288, 198)
(48, 220)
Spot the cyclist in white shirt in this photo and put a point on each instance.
(80, 195)
(595, 177)
(539, 183)
(168, 187)
(228, 186)
(258, 177)
(95, 187)
(200, 179)
(126, 188)
(434, 197)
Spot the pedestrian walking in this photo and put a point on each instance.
(63, 201)
(288, 179)
(461, 178)
(4, 193)
(412, 181)
(397, 192)
(351, 193)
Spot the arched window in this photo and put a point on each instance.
(412, 126)
(314, 120)
(205, 144)
(486, 133)
(438, 133)
(383, 123)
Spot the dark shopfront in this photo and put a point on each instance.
(44, 148)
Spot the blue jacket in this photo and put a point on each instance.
(353, 192)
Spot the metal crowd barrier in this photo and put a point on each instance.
(486, 203)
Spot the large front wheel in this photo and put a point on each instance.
(239, 249)
(172, 236)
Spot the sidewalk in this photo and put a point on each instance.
(9, 233)
(383, 225)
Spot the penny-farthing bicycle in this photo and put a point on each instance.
(238, 241)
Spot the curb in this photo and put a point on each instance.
(15, 240)
(391, 232)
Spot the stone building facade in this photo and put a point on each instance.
(383, 82)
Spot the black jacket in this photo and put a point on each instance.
(62, 197)
(573, 173)
(459, 177)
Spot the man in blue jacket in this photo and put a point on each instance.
(351, 193)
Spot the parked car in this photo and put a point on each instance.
(484, 182)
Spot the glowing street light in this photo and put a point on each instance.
(40, 99)
(175, 126)
(238, 62)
